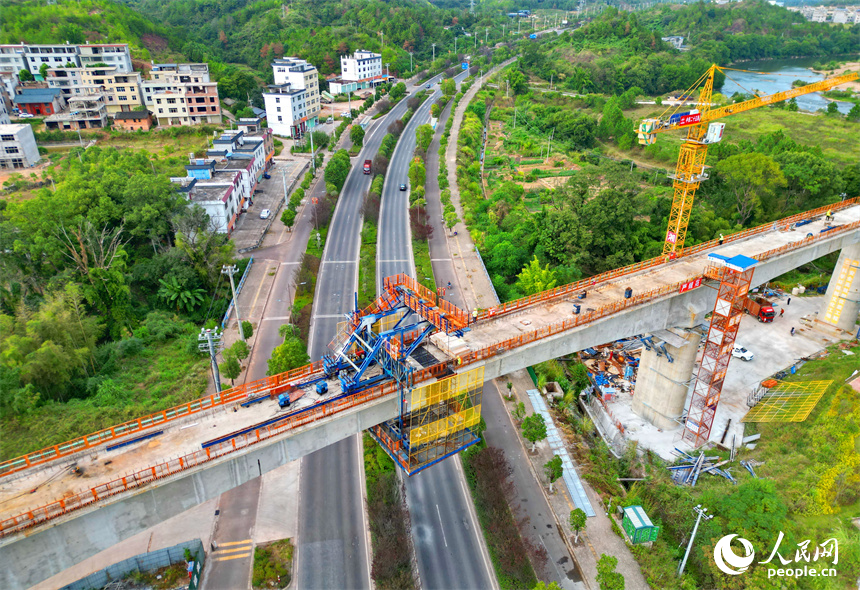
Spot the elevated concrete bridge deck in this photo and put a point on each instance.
(64, 517)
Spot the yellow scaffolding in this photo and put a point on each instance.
(788, 402)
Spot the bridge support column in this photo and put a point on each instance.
(661, 386)
(842, 302)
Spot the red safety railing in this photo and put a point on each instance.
(273, 384)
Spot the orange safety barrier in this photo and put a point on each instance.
(585, 284)
(170, 467)
(269, 384)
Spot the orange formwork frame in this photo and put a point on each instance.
(60, 507)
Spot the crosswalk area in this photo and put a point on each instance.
(233, 550)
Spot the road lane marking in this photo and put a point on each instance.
(440, 260)
(341, 261)
(334, 315)
(393, 261)
(281, 317)
(441, 527)
(289, 263)
(245, 542)
(220, 552)
(232, 557)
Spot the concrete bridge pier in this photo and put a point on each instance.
(661, 385)
(842, 301)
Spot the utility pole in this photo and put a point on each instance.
(486, 34)
(411, 69)
(313, 158)
(434, 52)
(230, 271)
(549, 143)
(455, 44)
(550, 81)
(503, 32)
(507, 94)
(209, 342)
(701, 512)
(284, 177)
(515, 117)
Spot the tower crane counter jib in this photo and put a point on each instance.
(702, 131)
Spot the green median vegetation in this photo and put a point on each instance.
(391, 568)
(273, 565)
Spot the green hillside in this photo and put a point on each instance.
(87, 21)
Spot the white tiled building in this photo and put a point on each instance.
(17, 147)
(116, 55)
(361, 70)
(293, 102)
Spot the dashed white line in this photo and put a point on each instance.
(441, 528)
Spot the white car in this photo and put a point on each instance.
(26, 116)
(265, 214)
(739, 352)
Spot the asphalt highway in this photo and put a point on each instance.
(447, 539)
(333, 549)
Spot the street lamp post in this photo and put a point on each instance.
(434, 52)
(701, 512)
(411, 69)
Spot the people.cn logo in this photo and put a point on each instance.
(726, 558)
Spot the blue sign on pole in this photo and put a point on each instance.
(465, 65)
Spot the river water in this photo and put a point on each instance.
(777, 75)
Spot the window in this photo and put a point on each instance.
(7, 137)
(11, 149)
(122, 97)
(277, 99)
(160, 111)
(280, 119)
(158, 100)
(278, 109)
(171, 101)
(120, 88)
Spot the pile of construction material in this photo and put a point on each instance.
(690, 468)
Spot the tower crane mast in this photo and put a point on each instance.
(702, 132)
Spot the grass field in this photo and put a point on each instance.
(159, 376)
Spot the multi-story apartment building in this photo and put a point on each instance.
(181, 94)
(361, 70)
(17, 147)
(300, 75)
(56, 56)
(116, 55)
(11, 62)
(286, 110)
(88, 111)
(121, 89)
(218, 193)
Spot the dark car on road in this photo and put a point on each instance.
(403, 187)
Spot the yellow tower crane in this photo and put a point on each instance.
(701, 132)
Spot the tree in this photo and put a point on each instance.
(518, 82)
(832, 108)
(854, 113)
(553, 469)
(288, 217)
(534, 429)
(230, 368)
(25, 76)
(289, 355)
(423, 136)
(534, 279)
(811, 181)
(173, 292)
(247, 329)
(449, 87)
(356, 134)
(338, 169)
(43, 71)
(607, 577)
(792, 105)
(751, 178)
(417, 173)
(519, 411)
(240, 350)
(577, 522)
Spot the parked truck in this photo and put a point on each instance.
(760, 308)
(367, 164)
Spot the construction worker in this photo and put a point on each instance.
(721, 239)
(475, 315)
(792, 330)
(781, 311)
(829, 215)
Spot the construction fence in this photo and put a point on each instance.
(147, 562)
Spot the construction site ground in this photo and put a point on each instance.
(775, 349)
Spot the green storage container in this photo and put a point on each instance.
(638, 526)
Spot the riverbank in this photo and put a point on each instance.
(852, 66)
